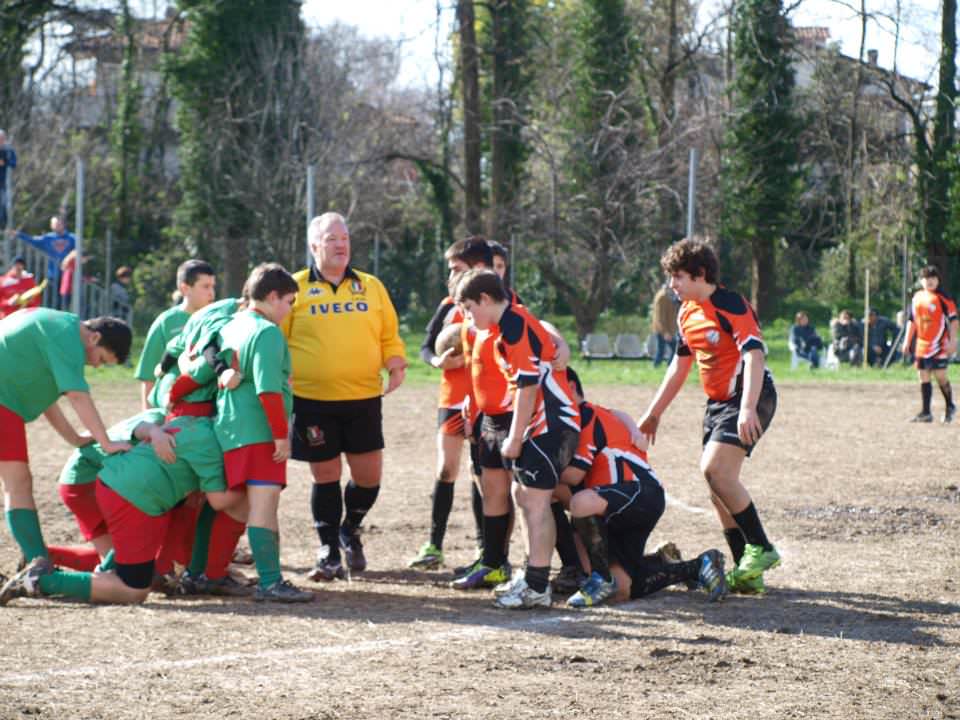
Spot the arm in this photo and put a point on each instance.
(163, 442)
(908, 337)
(87, 412)
(59, 422)
(272, 403)
(748, 423)
(952, 342)
(397, 368)
(674, 379)
(562, 359)
(524, 404)
(572, 476)
(635, 436)
(145, 387)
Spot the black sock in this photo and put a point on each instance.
(947, 394)
(326, 502)
(926, 393)
(593, 532)
(495, 539)
(566, 546)
(656, 575)
(749, 522)
(358, 501)
(736, 541)
(477, 502)
(442, 504)
(537, 577)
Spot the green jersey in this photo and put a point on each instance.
(85, 463)
(260, 353)
(167, 326)
(41, 358)
(155, 487)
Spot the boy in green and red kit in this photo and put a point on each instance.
(42, 356)
(252, 419)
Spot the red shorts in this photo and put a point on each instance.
(253, 462)
(136, 536)
(450, 421)
(81, 500)
(13, 437)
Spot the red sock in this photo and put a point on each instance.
(75, 557)
(178, 543)
(224, 536)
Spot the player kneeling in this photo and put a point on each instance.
(620, 503)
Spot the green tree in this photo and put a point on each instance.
(759, 176)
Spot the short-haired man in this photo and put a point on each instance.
(197, 283)
(933, 322)
(56, 245)
(544, 427)
(343, 332)
(720, 327)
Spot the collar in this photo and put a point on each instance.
(315, 276)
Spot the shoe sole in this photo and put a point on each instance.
(431, 564)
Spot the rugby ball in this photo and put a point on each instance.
(448, 338)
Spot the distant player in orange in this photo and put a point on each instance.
(719, 327)
(933, 320)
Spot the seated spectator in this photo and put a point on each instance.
(847, 339)
(120, 291)
(804, 340)
(13, 284)
(881, 333)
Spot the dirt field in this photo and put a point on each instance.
(862, 620)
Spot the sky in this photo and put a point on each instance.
(413, 23)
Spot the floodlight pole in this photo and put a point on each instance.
(311, 204)
(77, 289)
(866, 319)
(692, 193)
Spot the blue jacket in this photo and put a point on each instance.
(56, 247)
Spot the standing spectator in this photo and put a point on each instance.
(664, 324)
(342, 333)
(8, 159)
(14, 283)
(847, 338)
(56, 245)
(804, 340)
(120, 291)
(880, 336)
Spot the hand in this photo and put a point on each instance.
(397, 376)
(468, 429)
(559, 363)
(648, 426)
(230, 379)
(158, 371)
(80, 441)
(281, 450)
(163, 445)
(447, 361)
(183, 363)
(749, 428)
(112, 448)
(511, 447)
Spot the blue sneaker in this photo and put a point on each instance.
(481, 577)
(594, 591)
(711, 575)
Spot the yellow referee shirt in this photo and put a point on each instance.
(341, 336)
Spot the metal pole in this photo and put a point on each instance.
(8, 202)
(866, 318)
(692, 193)
(311, 204)
(78, 231)
(107, 277)
(376, 254)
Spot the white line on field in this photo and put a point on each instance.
(366, 646)
(671, 500)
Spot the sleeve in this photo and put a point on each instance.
(435, 326)
(182, 386)
(391, 344)
(683, 350)
(153, 349)
(66, 358)
(266, 371)
(746, 330)
(950, 308)
(522, 358)
(586, 448)
(38, 242)
(276, 414)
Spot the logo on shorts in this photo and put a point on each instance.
(315, 436)
(713, 337)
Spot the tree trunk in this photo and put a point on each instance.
(470, 74)
(763, 286)
(234, 259)
(944, 137)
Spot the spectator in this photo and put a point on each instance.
(14, 283)
(804, 340)
(56, 244)
(881, 333)
(664, 324)
(8, 159)
(847, 339)
(120, 291)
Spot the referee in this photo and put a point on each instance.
(342, 332)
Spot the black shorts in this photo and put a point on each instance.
(934, 363)
(544, 457)
(633, 511)
(720, 418)
(322, 429)
(493, 431)
(475, 445)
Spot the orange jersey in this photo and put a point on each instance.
(931, 314)
(606, 452)
(490, 391)
(719, 331)
(454, 384)
(525, 352)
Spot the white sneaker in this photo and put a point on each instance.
(521, 596)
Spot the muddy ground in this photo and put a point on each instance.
(861, 621)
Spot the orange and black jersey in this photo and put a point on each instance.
(525, 352)
(454, 384)
(606, 452)
(931, 314)
(719, 331)
(489, 391)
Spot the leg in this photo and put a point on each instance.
(534, 503)
(326, 503)
(926, 395)
(366, 470)
(449, 449)
(944, 382)
(21, 511)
